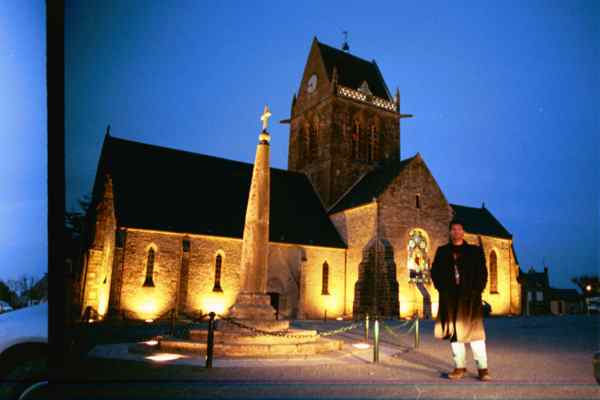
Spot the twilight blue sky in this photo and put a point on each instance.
(23, 153)
(505, 96)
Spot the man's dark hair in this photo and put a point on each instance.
(456, 221)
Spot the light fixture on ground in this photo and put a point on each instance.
(162, 357)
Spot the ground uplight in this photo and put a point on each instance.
(161, 357)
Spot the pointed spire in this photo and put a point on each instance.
(483, 204)
(397, 99)
(108, 130)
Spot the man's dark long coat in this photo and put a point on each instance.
(460, 308)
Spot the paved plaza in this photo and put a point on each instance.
(528, 357)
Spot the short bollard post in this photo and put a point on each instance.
(367, 328)
(210, 340)
(416, 331)
(376, 341)
(173, 322)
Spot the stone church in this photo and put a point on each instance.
(353, 228)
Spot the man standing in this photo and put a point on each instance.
(459, 274)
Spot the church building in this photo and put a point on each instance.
(353, 228)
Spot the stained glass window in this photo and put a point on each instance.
(418, 260)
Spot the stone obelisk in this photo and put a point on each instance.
(253, 302)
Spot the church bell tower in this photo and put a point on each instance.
(344, 122)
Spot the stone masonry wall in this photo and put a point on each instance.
(284, 276)
(99, 257)
(357, 228)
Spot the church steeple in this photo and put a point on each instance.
(343, 122)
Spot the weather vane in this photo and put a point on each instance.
(345, 46)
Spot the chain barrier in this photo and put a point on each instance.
(284, 333)
(340, 330)
(400, 335)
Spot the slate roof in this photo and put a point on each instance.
(353, 71)
(480, 221)
(476, 220)
(370, 185)
(565, 294)
(172, 190)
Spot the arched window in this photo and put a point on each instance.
(418, 201)
(149, 268)
(363, 146)
(418, 257)
(374, 151)
(325, 286)
(313, 141)
(370, 143)
(493, 272)
(218, 262)
(355, 140)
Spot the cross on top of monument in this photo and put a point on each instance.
(265, 118)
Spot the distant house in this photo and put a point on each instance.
(535, 292)
(539, 298)
(38, 293)
(566, 301)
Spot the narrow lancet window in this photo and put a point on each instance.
(149, 268)
(325, 286)
(218, 262)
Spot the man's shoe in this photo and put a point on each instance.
(457, 373)
(484, 375)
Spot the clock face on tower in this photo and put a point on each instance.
(312, 83)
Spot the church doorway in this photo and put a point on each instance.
(275, 302)
(376, 291)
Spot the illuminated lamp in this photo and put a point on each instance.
(162, 357)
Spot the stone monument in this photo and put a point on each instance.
(235, 335)
(253, 304)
